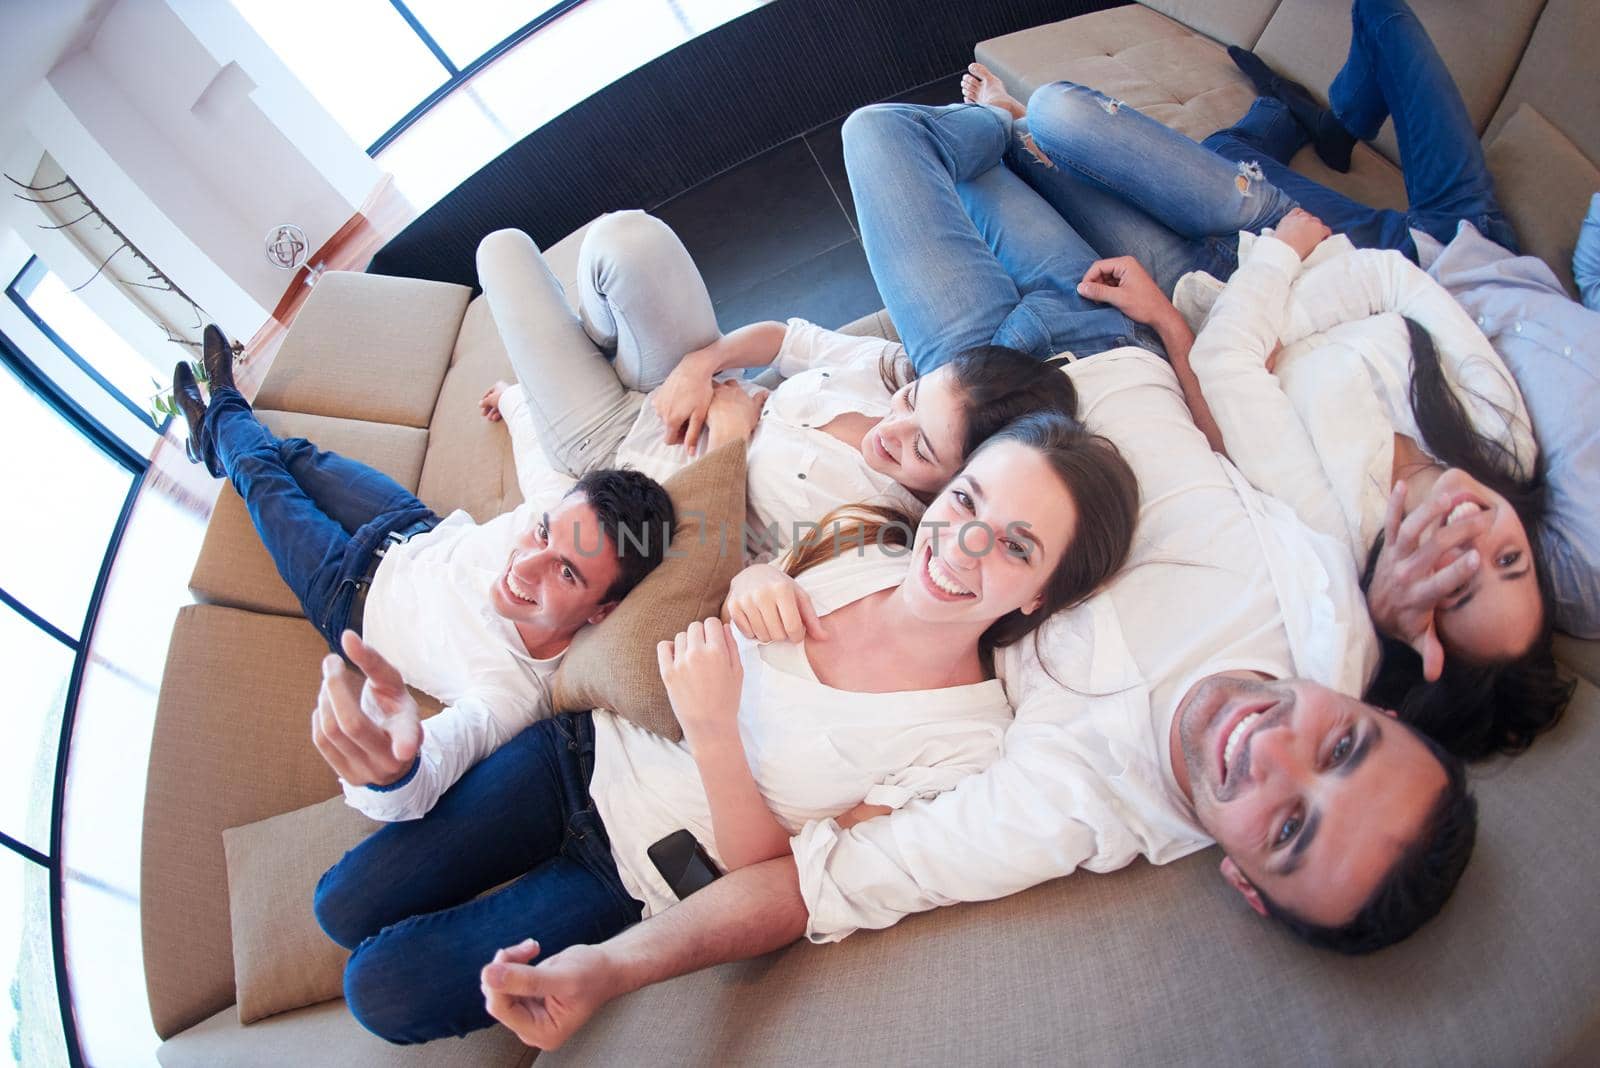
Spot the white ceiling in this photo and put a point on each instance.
(34, 35)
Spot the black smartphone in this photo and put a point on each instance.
(682, 863)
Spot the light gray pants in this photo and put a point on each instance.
(641, 307)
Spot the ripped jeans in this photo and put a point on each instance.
(1127, 183)
(963, 252)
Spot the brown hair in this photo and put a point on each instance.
(996, 386)
(1089, 467)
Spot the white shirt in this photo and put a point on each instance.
(815, 751)
(428, 612)
(1220, 578)
(798, 473)
(1318, 433)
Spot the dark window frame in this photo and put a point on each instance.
(138, 467)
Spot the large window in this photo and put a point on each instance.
(437, 88)
(69, 483)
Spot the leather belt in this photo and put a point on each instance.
(358, 603)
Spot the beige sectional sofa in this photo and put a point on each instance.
(1143, 966)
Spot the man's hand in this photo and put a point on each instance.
(733, 415)
(489, 403)
(704, 675)
(1414, 572)
(769, 606)
(545, 1005)
(368, 732)
(1123, 283)
(684, 399)
(1301, 231)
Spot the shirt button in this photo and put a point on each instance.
(1517, 328)
(801, 474)
(824, 374)
(1567, 351)
(1482, 319)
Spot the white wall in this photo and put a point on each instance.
(183, 124)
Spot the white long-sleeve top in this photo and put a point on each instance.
(428, 612)
(815, 751)
(1318, 431)
(797, 472)
(1220, 578)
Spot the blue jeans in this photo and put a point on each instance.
(407, 900)
(319, 515)
(1180, 198)
(963, 252)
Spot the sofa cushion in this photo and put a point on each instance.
(469, 463)
(613, 665)
(1167, 966)
(327, 1034)
(1579, 655)
(281, 958)
(1556, 67)
(232, 745)
(1161, 67)
(367, 346)
(233, 567)
(1544, 183)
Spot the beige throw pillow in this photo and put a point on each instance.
(281, 958)
(613, 665)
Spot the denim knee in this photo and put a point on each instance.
(396, 988)
(342, 908)
(1068, 105)
(864, 125)
(379, 989)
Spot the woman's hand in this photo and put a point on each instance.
(769, 606)
(489, 403)
(1408, 581)
(733, 415)
(1123, 283)
(684, 399)
(703, 674)
(1301, 231)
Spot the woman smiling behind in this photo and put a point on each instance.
(889, 694)
(633, 384)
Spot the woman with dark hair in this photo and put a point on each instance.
(634, 384)
(1350, 385)
(900, 620)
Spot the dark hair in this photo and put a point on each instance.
(996, 385)
(637, 518)
(1419, 883)
(1090, 468)
(1474, 710)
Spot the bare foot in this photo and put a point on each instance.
(980, 85)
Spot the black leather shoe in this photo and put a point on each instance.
(218, 359)
(1328, 136)
(186, 394)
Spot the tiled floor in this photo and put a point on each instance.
(776, 236)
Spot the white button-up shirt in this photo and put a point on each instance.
(428, 612)
(1318, 431)
(1220, 578)
(797, 472)
(815, 751)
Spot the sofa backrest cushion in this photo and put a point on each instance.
(367, 347)
(1544, 183)
(1238, 22)
(1558, 72)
